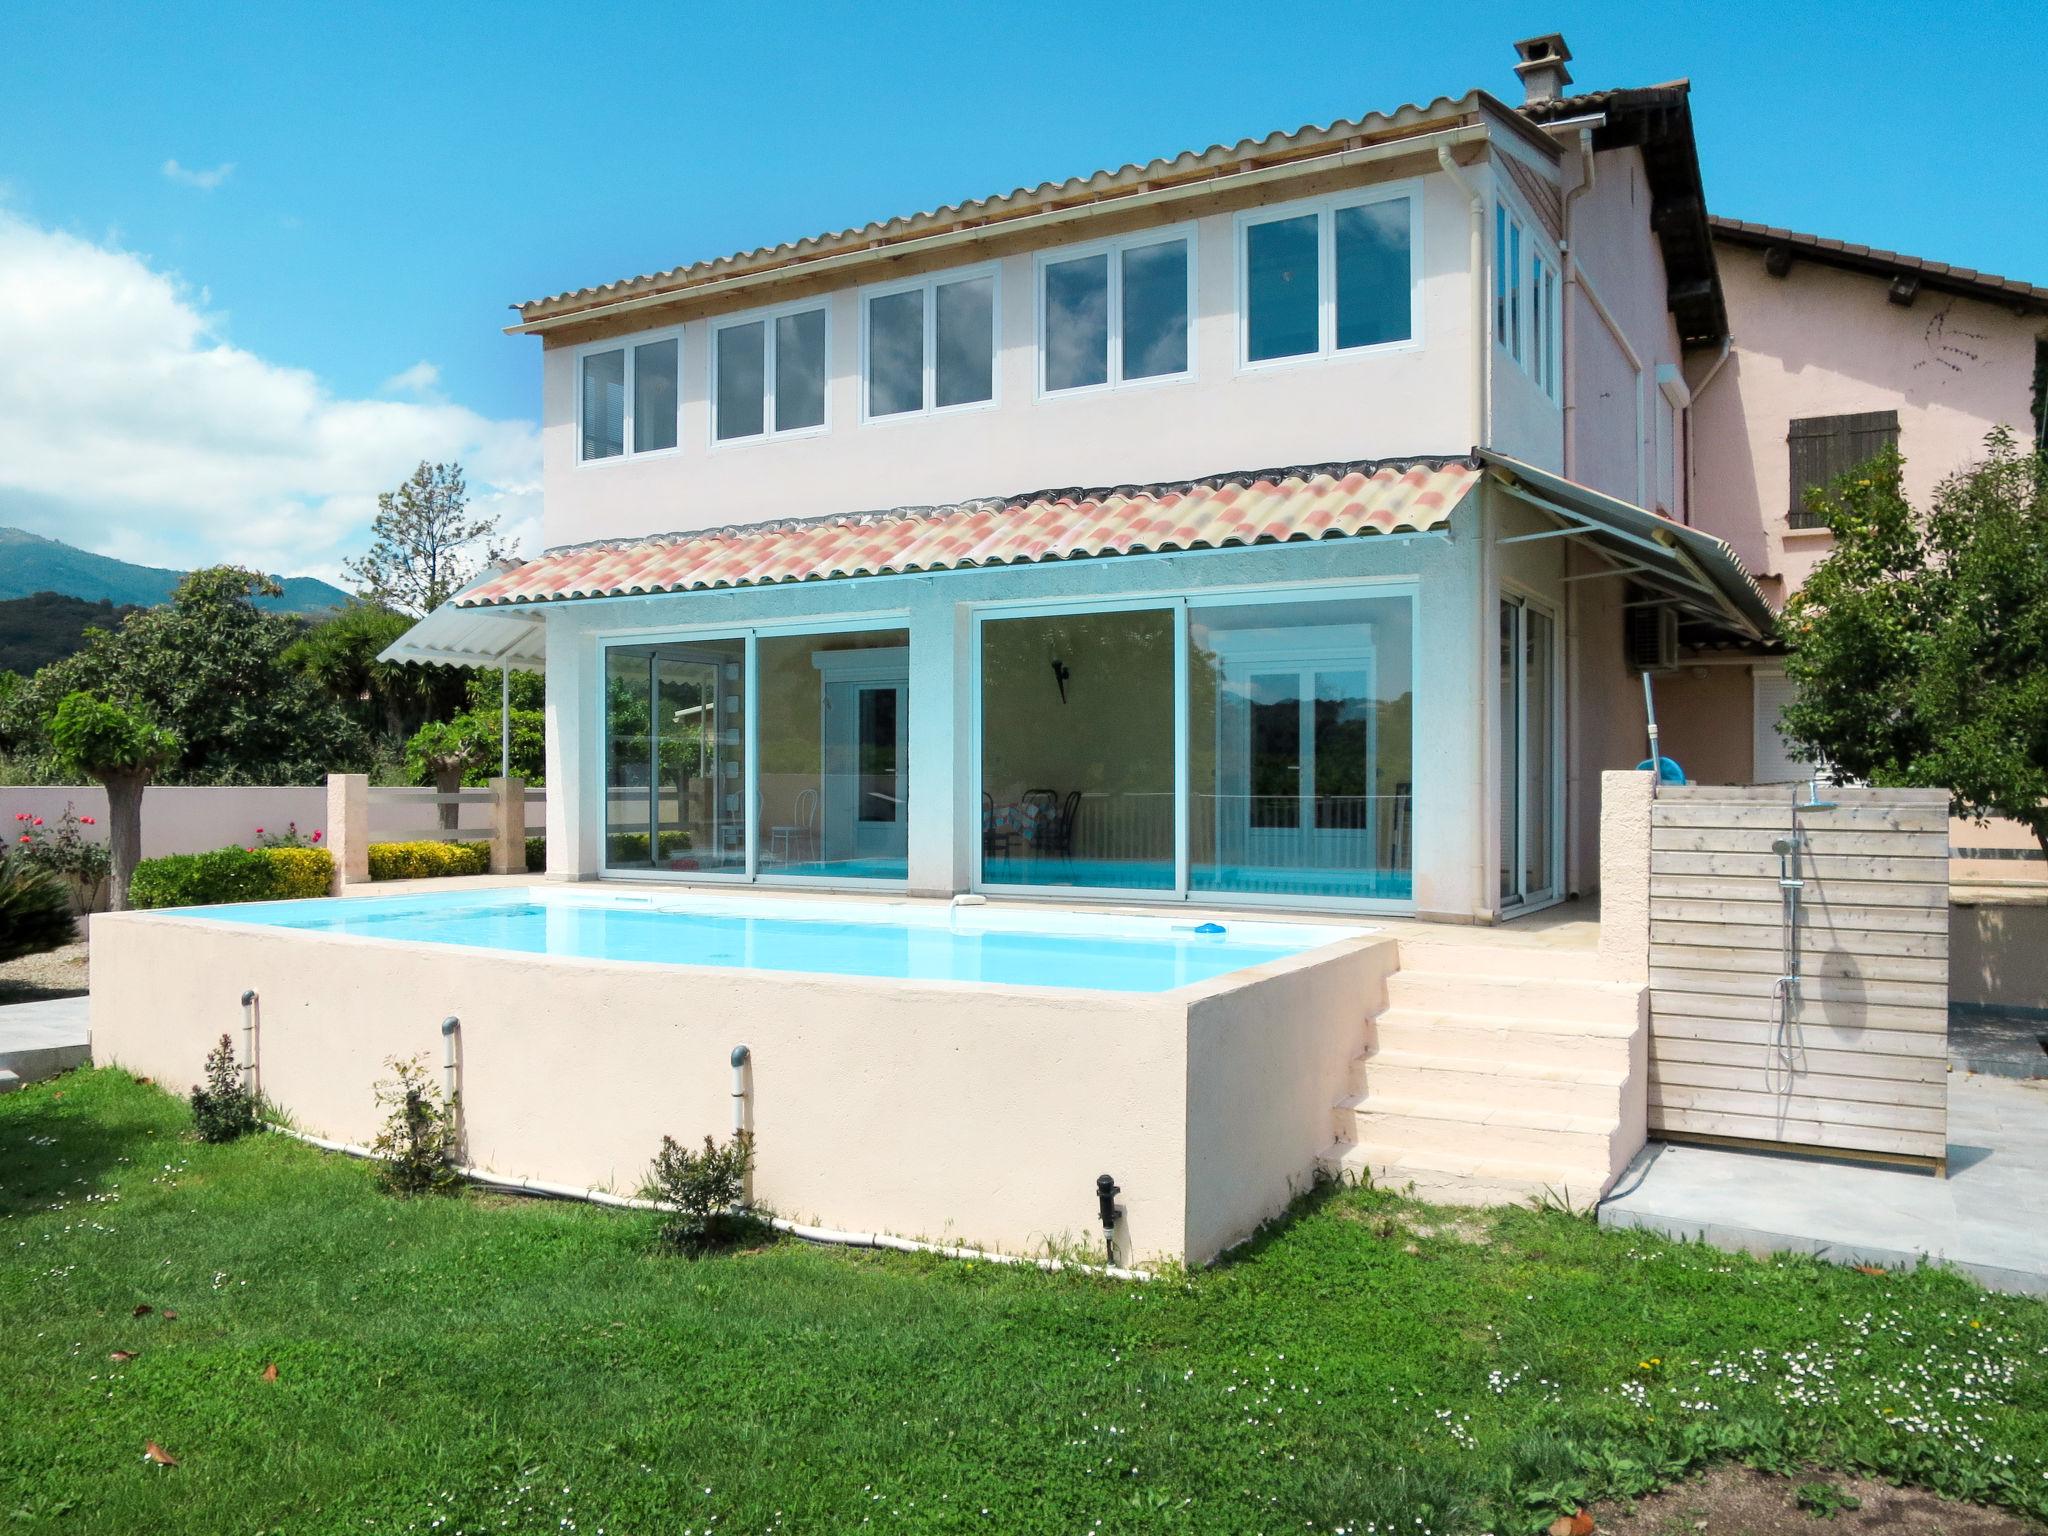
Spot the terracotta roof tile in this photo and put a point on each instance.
(1271, 506)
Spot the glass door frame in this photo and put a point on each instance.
(1180, 605)
(1524, 901)
(750, 796)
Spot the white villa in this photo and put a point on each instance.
(1282, 524)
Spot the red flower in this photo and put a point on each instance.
(259, 831)
(88, 821)
(316, 837)
(26, 838)
(39, 821)
(21, 815)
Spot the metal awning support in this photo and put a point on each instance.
(1687, 567)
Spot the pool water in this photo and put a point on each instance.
(904, 941)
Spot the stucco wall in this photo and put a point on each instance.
(925, 1109)
(180, 819)
(1613, 418)
(1398, 402)
(1824, 342)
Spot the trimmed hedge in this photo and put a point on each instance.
(426, 859)
(536, 855)
(230, 874)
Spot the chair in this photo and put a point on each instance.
(798, 840)
(1051, 823)
(995, 840)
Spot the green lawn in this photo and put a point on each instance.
(486, 1364)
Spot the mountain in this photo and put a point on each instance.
(35, 631)
(30, 564)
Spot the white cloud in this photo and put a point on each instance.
(130, 426)
(191, 176)
(422, 378)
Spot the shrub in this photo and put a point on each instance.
(290, 837)
(67, 851)
(231, 874)
(416, 1149)
(224, 1108)
(536, 855)
(425, 859)
(300, 872)
(703, 1191)
(35, 909)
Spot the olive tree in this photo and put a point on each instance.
(123, 750)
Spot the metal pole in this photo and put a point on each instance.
(249, 1040)
(505, 721)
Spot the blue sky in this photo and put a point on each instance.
(340, 194)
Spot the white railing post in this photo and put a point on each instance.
(508, 826)
(348, 828)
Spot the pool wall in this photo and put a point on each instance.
(967, 1112)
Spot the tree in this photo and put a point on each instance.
(392, 699)
(425, 545)
(211, 667)
(122, 749)
(1920, 644)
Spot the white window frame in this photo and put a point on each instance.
(766, 317)
(749, 873)
(626, 344)
(1325, 209)
(1531, 339)
(1113, 249)
(1182, 606)
(929, 285)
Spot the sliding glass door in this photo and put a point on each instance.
(1529, 760)
(676, 757)
(1256, 747)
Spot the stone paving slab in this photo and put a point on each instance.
(39, 1040)
(1988, 1218)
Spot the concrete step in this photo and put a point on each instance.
(1495, 1131)
(1567, 1088)
(1499, 957)
(1575, 1001)
(1465, 1178)
(1488, 1037)
(8, 1081)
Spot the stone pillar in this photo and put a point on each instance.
(1625, 800)
(508, 826)
(348, 828)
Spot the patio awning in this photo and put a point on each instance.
(1694, 571)
(456, 636)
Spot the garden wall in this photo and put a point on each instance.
(180, 819)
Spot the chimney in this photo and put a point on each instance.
(1540, 63)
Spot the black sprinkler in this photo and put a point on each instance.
(1106, 1192)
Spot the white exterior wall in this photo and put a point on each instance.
(1449, 727)
(1401, 401)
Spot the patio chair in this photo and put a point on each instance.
(997, 838)
(798, 840)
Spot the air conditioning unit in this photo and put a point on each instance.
(1650, 638)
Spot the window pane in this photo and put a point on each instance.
(1077, 750)
(1500, 273)
(834, 772)
(1373, 277)
(1077, 323)
(654, 395)
(800, 370)
(1299, 754)
(896, 353)
(1281, 289)
(742, 369)
(675, 755)
(1515, 289)
(1155, 338)
(604, 405)
(965, 364)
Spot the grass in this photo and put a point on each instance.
(487, 1364)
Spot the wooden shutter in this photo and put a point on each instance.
(1775, 762)
(1827, 447)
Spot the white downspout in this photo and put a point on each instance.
(1588, 171)
(1482, 396)
(1692, 466)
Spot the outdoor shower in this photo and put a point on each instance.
(1785, 1061)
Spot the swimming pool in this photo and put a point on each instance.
(907, 941)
